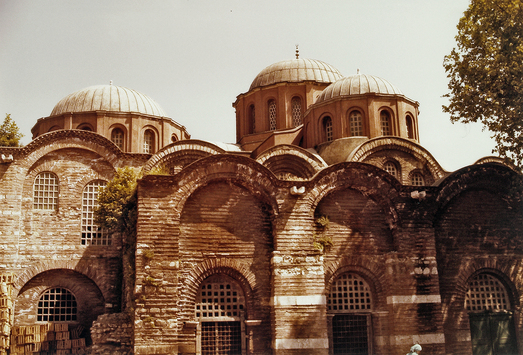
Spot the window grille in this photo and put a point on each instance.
(296, 111)
(350, 293)
(327, 126)
(221, 338)
(390, 167)
(385, 123)
(486, 292)
(350, 335)
(148, 142)
(92, 234)
(272, 115)
(45, 191)
(57, 305)
(117, 137)
(252, 117)
(356, 124)
(417, 180)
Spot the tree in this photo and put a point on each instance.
(485, 73)
(9, 133)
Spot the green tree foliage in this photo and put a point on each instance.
(9, 133)
(485, 73)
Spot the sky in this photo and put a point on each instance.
(194, 57)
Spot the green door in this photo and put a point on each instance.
(493, 334)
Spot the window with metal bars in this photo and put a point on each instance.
(296, 111)
(486, 292)
(350, 303)
(221, 338)
(416, 179)
(391, 168)
(356, 123)
(386, 129)
(252, 119)
(92, 234)
(117, 137)
(272, 114)
(327, 128)
(45, 191)
(57, 305)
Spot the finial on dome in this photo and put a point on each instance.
(297, 52)
(110, 82)
(358, 72)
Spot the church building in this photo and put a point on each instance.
(326, 228)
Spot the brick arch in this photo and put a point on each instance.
(199, 149)
(307, 163)
(238, 271)
(375, 145)
(43, 266)
(62, 139)
(369, 180)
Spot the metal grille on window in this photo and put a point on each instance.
(272, 115)
(486, 292)
(327, 123)
(385, 123)
(45, 191)
(57, 305)
(221, 338)
(253, 118)
(92, 234)
(349, 293)
(391, 169)
(117, 137)
(296, 111)
(350, 335)
(417, 180)
(356, 124)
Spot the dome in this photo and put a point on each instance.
(295, 71)
(108, 98)
(357, 85)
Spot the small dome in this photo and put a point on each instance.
(295, 71)
(108, 98)
(357, 85)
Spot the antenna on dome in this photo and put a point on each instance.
(297, 52)
(110, 82)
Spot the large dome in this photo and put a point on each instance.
(296, 70)
(108, 98)
(357, 85)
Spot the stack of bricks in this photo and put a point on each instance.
(46, 339)
(6, 311)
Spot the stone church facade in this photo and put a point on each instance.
(325, 229)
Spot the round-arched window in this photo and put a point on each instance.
(356, 123)
(392, 169)
(117, 137)
(386, 126)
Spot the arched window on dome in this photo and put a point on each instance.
(416, 179)
(350, 305)
(327, 129)
(57, 305)
(392, 169)
(297, 117)
(252, 119)
(92, 234)
(271, 107)
(45, 191)
(85, 127)
(356, 123)
(148, 142)
(220, 309)
(174, 138)
(117, 137)
(490, 312)
(385, 123)
(410, 127)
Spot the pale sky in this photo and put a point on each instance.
(194, 57)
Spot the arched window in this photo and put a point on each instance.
(57, 305)
(392, 169)
(350, 304)
(174, 138)
(327, 129)
(416, 179)
(220, 307)
(117, 137)
(85, 127)
(492, 326)
(386, 128)
(410, 127)
(92, 234)
(252, 119)
(148, 142)
(45, 191)
(296, 111)
(356, 123)
(272, 114)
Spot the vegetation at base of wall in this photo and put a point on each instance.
(9, 133)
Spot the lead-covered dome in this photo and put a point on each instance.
(296, 70)
(357, 85)
(108, 98)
